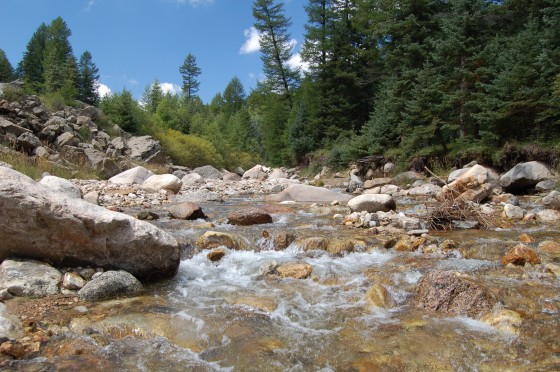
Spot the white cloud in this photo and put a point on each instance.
(103, 90)
(170, 88)
(252, 41)
(133, 82)
(90, 5)
(297, 63)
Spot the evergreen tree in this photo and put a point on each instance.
(190, 72)
(88, 80)
(275, 46)
(58, 54)
(31, 65)
(123, 110)
(153, 95)
(69, 85)
(6, 69)
(234, 96)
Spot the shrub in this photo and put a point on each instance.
(12, 92)
(53, 102)
(188, 150)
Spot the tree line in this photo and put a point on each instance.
(401, 78)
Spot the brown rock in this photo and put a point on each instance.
(550, 248)
(524, 238)
(445, 292)
(294, 270)
(404, 245)
(313, 243)
(250, 216)
(340, 246)
(378, 296)
(215, 239)
(12, 348)
(216, 255)
(519, 255)
(186, 211)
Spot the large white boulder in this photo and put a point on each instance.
(42, 224)
(525, 175)
(136, 175)
(372, 203)
(162, 182)
(61, 185)
(305, 193)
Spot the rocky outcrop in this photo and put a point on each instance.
(42, 224)
(305, 193)
(447, 293)
(249, 216)
(525, 175)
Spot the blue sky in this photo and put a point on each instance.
(134, 42)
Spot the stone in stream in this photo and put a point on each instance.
(215, 239)
(305, 193)
(295, 270)
(136, 175)
(504, 320)
(42, 224)
(186, 211)
(548, 216)
(552, 200)
(29, 278)
(372, 203)
(216, 254)
(446, 292)
(110, 284)
(159, 182)
(72, 281)
(378, 296)
(249, 216)
(525, 175)
(520, 255)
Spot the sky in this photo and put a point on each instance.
(134, 42)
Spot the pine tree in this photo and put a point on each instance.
(275, 46)
(88, 80)
(190, 72)
(31, 65)
(6, 69)
(58, 53)
(234, 97)
(152, 97)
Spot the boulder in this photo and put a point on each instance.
(427, 189)
(28, 142)
(74, 232)
(520, 255)
(186, 211)
(546, 185)
(66, 139)
(62, 186)
(7, 127)
(162, 182)
(249, 216)
(103, 165)
(475, 185)
(231, 177)
(136, 175)
(305, 193)
(375, 182)
(192, 179)
(215, 239)
(548, 216)
(110, 284)
(277, 173)
(514, 212)
(29, 278)
(552, 200)
(255, 173)
(208, 172)
(372, 203)
(447, 293)
(525, 175)
(294, 270)
(146, 149)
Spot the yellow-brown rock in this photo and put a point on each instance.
(313, 243)
(378, 296)
(504, 320)
(216, 255)
(294, 270)
(404, 245)
(215, 239)
(340, 246)
(520, 255)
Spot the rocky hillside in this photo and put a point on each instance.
(73, 137)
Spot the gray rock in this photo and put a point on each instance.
(552, 200)
(372, 203)
(162, 182)
(231, 177)
(426, 189)
(408, 177)
(514, 212)
(28, 142)
(208, 172)
(545, 185)
(186, 211)
(103, 165)
(41, 152)
(111, 284)
(198, 196)
(10, 326)
(29, 278)
(73, 231)
(62, 186)
(145, 148)
(277, 173)
(66, 139)
(136, 175)
(255, 173)
(192, 179)
(525, 175)
(548, 216)
(8, 127)
(306, 193)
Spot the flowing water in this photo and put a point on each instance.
(227, 315)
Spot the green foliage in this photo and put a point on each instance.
(53, 102)
(123, 110)
(189, 71)
(32, 64)
(6, 69)
(12, 93)
(188, 150)
(87, 80)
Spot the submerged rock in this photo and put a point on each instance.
(249, 216)
(29, 278)
(41, 224)
(447, 293)
(110, 284)
(378, 296)
(520, 255)
(503, 320)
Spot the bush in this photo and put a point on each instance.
(12, 92)
(188, 150)
(53, 102)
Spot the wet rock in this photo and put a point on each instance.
(266, 304)
(216, 255)
(136, 175)
(548, 216)
(372, 203)
(29, 278)
(159, 182)
(249, 216)
(552, 200)
(378, 296)
(339, 247)
(524, 238)
(215, 239)
(520, 255)
(550, 248)
(313, 243)
(208, 172)
(111, 284)
(294, 270)
(504, 320)
(186, 211)
(10, 326)
(67, 231)
(12, 348)
(553, 269)
(305, 193)
(73, 281)
(147, 215)
(525, 175)
(278, 241)
(447, 293)
(513, 212)
(62, 186)
(404, 245)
